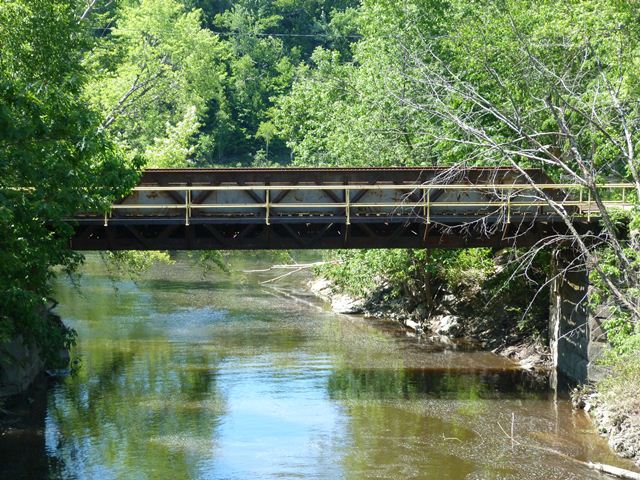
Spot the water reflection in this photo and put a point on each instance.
(415, 383)
(227, 379)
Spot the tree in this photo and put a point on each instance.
(339, 111)
(157, 75)
(266, 131)
(155, 70)
(551, 87)
(55, 160)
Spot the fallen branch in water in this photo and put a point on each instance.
(294, 267)
(618, 472)
(599, 467)
(451, 438)
(275, 279)
(301, 266)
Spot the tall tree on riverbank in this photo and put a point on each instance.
(55, 160)
(155, 73)
(522, 83)
(552, 87)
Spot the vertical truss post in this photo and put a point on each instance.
(267, 206)
(624, 195)
(347, 202)
(589, 206)
(426, 210)
(187, 206)
(427, 204)
(509, 191)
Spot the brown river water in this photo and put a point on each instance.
(185, 377)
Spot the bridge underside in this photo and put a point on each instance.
(384, 233)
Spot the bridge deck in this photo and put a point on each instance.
(191, 209)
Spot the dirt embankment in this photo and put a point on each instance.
(615, 410)
(453, 318)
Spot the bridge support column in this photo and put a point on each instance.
(575, 332)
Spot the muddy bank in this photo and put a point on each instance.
(616, 416)
(453, 319)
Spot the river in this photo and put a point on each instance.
(185, 377)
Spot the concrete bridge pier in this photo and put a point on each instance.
(575, 331)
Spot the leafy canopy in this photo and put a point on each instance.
(54, 158)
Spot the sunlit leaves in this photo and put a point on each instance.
(54, 163)
(156, 68)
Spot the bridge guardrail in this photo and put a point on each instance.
(351, 202)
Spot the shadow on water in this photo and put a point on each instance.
(23, 451)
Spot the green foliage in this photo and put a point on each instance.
(620, 389)
(175, 149)
(512, 297)
(154, 75)
(408, 272)
(623, 331)
(54, 159)
(378, 106)
(266, 131)
(265, 40)
(487, 285)
(466, 267)
(340, 112)
(131, 263)
(152, 61)
(208, 261)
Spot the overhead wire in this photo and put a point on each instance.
(233, 33)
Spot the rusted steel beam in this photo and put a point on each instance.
(301, 236)
(334, 175)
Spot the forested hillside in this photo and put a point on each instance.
(195, 82)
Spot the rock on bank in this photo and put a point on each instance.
(21, 362)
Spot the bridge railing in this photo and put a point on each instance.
(362, 202)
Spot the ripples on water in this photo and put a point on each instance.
(228, 379)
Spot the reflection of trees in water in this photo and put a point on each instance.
(146, 407)
(141, 403)
(407, 383)
(389, 441)
(393, 436)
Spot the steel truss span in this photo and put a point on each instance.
(253, 209)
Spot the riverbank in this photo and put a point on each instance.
(614, 407)
(452, 320)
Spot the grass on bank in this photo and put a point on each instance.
(622, 386)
